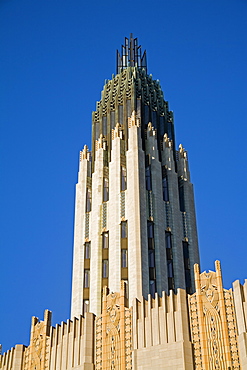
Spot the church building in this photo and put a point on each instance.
(139, 299)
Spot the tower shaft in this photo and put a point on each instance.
(135, 216)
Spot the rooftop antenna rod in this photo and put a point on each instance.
(131, 55)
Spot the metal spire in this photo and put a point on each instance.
(131, 55)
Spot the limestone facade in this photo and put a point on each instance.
(205, 331)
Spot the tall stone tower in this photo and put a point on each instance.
(134, 211)
(139, 301)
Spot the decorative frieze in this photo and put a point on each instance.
(212, 322)
(113, 333)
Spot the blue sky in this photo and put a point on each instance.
(55, 56)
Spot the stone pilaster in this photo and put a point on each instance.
(79, 234)
(136, 213)
(96, 230)
(114, 218)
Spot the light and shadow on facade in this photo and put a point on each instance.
(139, 300)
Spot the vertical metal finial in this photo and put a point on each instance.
(131, 55)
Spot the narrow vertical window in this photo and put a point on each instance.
(170, 272)
(85, 305)
(105, 269)
(126, 288)
(187, 267)
(129, 108)
(105, 189)
(169, 269)
(186, 255)
(120, 114)
(123, 178)
(104, 124)
(181, 194)
(165, 189)
(124, 258)
(88, 200)
(86, 278)
(168, 239)
(151, 258)
(152, 287)
(148, 178)
(87, 250)
(96, 128)
(150, 231)
(105, 240)
(112, 118)
(124, 231)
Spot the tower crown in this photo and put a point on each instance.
(131, 55)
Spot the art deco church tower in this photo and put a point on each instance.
(134, 214)
(139, 301)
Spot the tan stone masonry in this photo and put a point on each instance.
(206, 331)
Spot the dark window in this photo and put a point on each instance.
(151, 258)
(96, 130)
(169, 269)
(188, 281)
(168, 239)
(120, 114)
(170, 283)
(105, 189)
(181, 195)
(124, 258)
(129, 108)
(154, 116)
(148, 178)
(186, 255)
(186, 249)
(147, 160)
(165, 189)
(112, 120)
(187, 266)
(105, 240)
(168, 253)
(124, 231)
(123, 178)
(87, 250)
(146, 114)
(105, 268)
(150, 243)
(88, 200)
(152, 273)
(86, 278)
(152, 287)
(126, 288)
(104, 124)
(150, 231)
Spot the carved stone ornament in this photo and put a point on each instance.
(133, 120)
(212, 321)
(113, 333)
